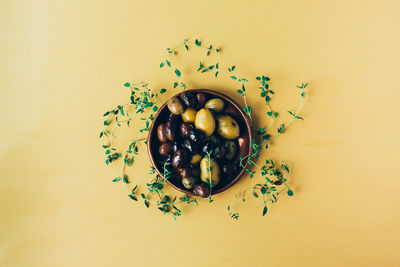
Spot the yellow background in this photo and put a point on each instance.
(63, 64)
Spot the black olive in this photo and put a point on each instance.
(196, 136)
(189, 145)
(179, 159)
(229, 169)
(176, 145)
(168, 158)
(202, 190)
(208, 147)
(278, 182)
(219, 152)
(189, 99)
(186, 129)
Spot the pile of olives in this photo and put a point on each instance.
(195, 127)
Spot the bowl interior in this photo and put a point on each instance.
(232, 109)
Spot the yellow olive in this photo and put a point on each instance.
(216, 104)
(195, 159)
(189, 115)
(175, 106)
(205, 121)
(209, 170)
(228, 128)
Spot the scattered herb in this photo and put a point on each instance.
(143, 105)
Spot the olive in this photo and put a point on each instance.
(175, 106)
(168, 158)
(215, 104)
(195, 172)
(189, 145)
(243, 146)
(208, 146)
(170, 128)
(229, 169)
(219, 152)
(196, 136)
(202, 190)
(186, 172)
(186, 128)
(278, 182)
(209, 170)
(189, 115)
(190, 172)
(161, 133)
(228, 128)
(205, 121)
(201, 99)
(188, 182)
(176, 145)
(189, 99)
(179, 158)
(231, 149)
(195, 159)
(165, 148)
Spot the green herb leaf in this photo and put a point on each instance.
(178, 73)
(290, 192)
(197, 42)
(162, 64)
(162, 91)
(127, 84)
(116, 179)
(265, 211)
(261, 131)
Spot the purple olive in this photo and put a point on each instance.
(170, 129)
(161, 133)
(186, 129)
(202, 190)
(179, 159)
(189, 99)
(201, 100)
(190, 172)
(165, 148)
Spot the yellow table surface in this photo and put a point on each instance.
(63, 64)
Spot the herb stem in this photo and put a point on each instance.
(293, 117)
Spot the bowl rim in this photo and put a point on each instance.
(225, 97)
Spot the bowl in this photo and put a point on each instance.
(232, 109)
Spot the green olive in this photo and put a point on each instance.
(175, 106)
(209, 170)
(228, 128)
(216, 104)
(205, 121)
(189, 115)
(195, 159)
(231, 149)
(188, 182)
